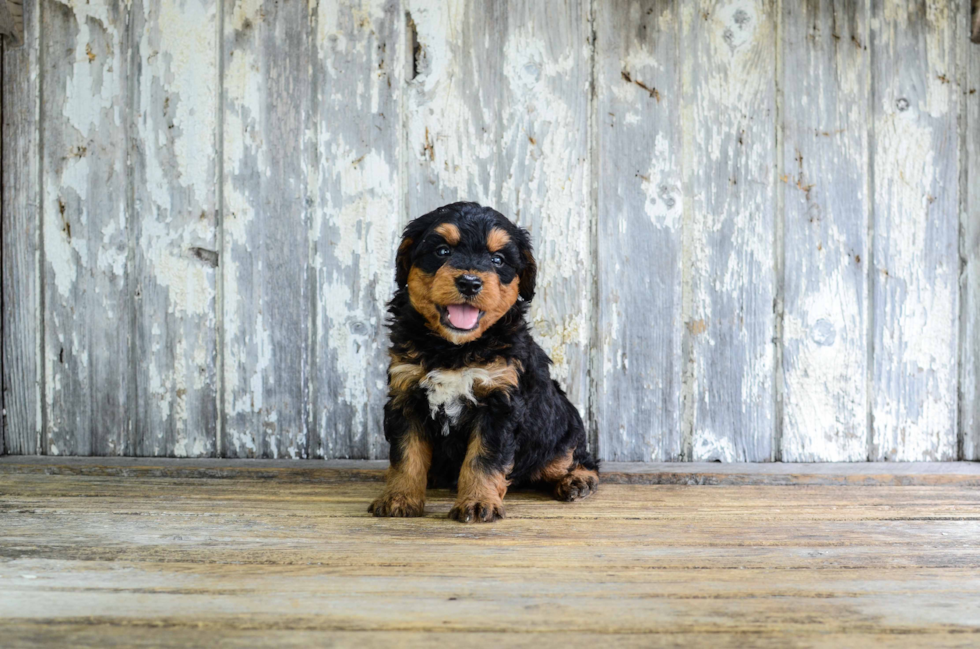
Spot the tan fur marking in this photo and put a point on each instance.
(497, 239)
(428, 292)
(402, 376)
(404, 373)
(449, 232)
(404, 493)
(581, 472)
(555, 470)
(502, 375)
(477, 487)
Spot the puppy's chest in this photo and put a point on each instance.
(449, 392)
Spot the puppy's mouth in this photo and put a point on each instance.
(461, 317)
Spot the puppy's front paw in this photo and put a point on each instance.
(576, 486)
(474, 511)
(397, 505)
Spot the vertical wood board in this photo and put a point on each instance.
(174, 222)
(89, 388)
(545, 174)
(453, 103)
(728, 60)
(360, 73)
(916, 221)
(826, 98)
(20, 252)
(201, 208)
(970, 254)
(269, 192)
(641, 204)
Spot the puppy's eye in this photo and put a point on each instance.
(496, 260)
(443, 251)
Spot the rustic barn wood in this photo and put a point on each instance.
(167, 560)
(639, 363)
(543, 157)
(756, 230)
(174, 167)
(20, 384)
(970, 254)
(269, 193)
(87, 229)
(360, 75)
(915, 287)
(824, 180)
(453, 103)
(867, 474)
(729, 73)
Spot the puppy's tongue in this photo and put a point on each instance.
(462, 316)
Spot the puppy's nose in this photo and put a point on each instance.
(469, 285)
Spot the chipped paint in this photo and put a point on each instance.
(729, 81)
(451, 129)
(678, 140)
(916, 261)
(360, 57)
(641, 204)
(826, 97)
(546, 182)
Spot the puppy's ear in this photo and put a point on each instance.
(413, 234)
(529, 268)
(403, 261)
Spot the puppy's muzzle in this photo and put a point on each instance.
(469, 285)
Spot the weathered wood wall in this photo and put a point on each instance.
(756, 228)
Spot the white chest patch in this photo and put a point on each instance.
(449, 390)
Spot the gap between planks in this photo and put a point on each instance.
(961, 474)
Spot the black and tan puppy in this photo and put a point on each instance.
(471, 403)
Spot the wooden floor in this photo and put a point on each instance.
(286, 557)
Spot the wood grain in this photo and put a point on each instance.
(89, 389)
(164, 559)
(641, 201)
(20, 429)
(103, 633)
(453, 103)
(969, 393)
(545, 170)
(175, 164)
(728, 72)
(360, 76)
(268, 195)
(825, 182)
(916, 207)
(960, 474)
(199, 219)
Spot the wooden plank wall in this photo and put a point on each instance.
(754, 219)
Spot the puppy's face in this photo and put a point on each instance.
(464, 267)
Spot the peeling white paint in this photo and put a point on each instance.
(915, 254)
(519, 140)
(546, 185)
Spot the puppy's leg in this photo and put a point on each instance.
(482, 482)
(570, 476)
(404, 493)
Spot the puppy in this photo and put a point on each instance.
(471, 403)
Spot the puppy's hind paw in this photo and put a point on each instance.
(397, 505)
(476, 512)
(577, 485)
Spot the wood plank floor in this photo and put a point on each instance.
(293, 560)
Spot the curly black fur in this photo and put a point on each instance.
(523, 429)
